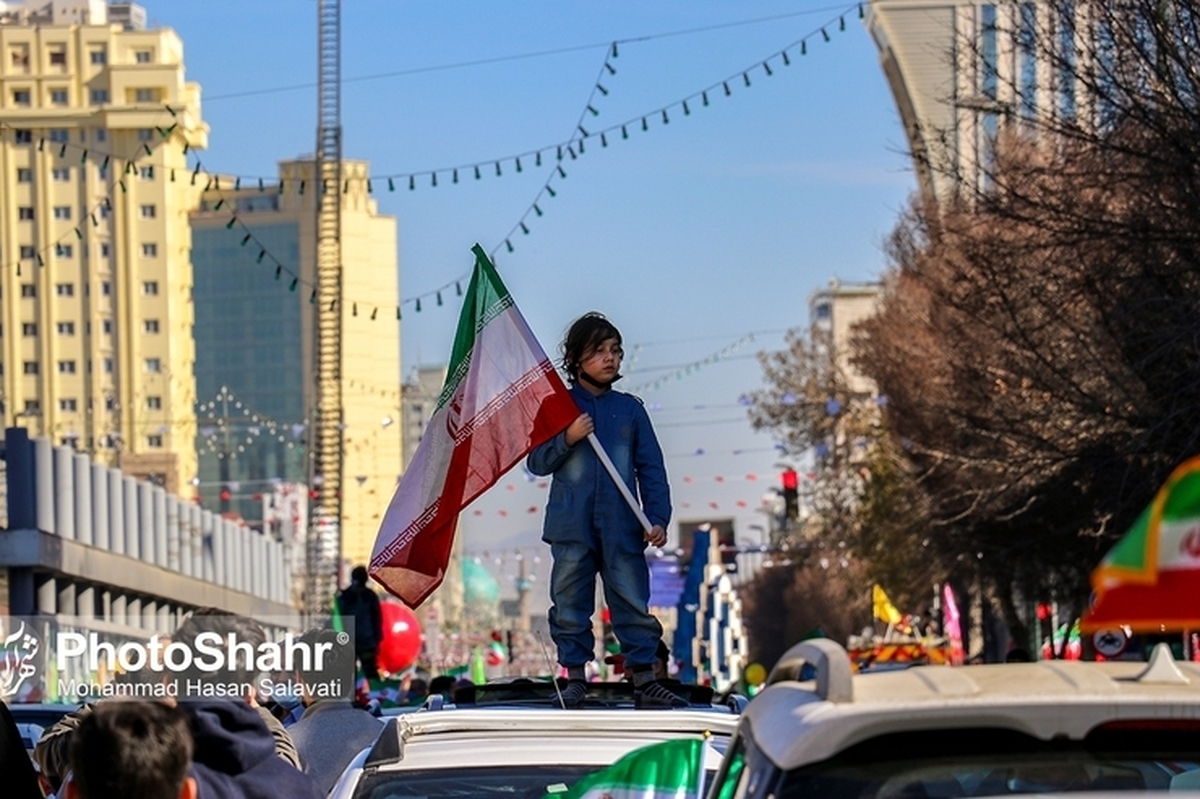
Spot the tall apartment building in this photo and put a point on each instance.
(832, 312)
(96, 338)
(959, 71)
(254, 344)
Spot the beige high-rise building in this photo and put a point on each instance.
(96, 344)
(254, 346)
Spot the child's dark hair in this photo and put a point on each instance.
(585, 334)
(131, 748)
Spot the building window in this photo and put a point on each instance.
(105, 249)
(22, 97)
(65, 289)
(150, 288)
(58, 96)
(154, 442)
(146, 173)
(148, 212)
(106, 288)
(105, 211)
(149, 250)
(62, 212)
(25, 213)
(143, 56)
(63, 250)
(60, 135)
(153, 365)
(23, 136)
(60, 174)
(30, 367)
(151, 326)
(66, 328)
(24, 175)
(108, 365)
(28, 251)
(66, 367)
(98, 56)
(29, 329)
(99, 96)
(33, 407)
(58, 56)
(145, 96)
(154, 403)
(145, 134)
(68, 405)
(28, 290)
(107, 327)
(19, 56)
(101, 134)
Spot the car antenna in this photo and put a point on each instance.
(549, 663)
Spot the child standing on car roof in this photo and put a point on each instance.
(590, 527)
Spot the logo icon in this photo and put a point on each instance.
(17, 652)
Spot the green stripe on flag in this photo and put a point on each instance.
(667, 770)
(1130, 552)
(486, 299)
(1183, 499)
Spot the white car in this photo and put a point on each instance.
(939, 732)
(517, 749)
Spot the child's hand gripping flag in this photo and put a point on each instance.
(667, 770)
(502, 398)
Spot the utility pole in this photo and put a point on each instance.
(325, 419)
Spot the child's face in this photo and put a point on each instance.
(603, 362)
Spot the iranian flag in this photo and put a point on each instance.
(501, 399)
(667, 770)
(1150, 581)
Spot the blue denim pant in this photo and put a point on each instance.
(626, 581)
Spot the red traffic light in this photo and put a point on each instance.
(791, 480)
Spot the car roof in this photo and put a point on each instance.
(796, 723)
(466, 737)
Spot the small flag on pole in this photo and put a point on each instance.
(1150, 581)
(884, 609)
(667, 770)
(502, 398)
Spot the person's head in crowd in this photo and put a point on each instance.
(358, 575)
(224, 624)
(131, 750)
(337, 662)
(442, 684)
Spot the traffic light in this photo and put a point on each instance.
(791, 493)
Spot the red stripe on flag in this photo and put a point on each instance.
(1172, 603)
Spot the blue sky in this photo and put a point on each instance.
(701, 238)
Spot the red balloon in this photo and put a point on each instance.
(401, 638)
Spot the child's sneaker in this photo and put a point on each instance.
(574, 693)
(656, 695)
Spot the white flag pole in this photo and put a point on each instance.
(616, 478)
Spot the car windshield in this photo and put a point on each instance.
(988, 762)
(512, 782)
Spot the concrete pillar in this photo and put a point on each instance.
(82, 476)
(106, 605)
(164, 619)
(119, 611)
(133, 611)
(100, 515)
(43, 458)
(116, 511)
(133, 517)
(212, 553)
(47, 596)
(160, 526)
(64, 491)
(145, 506)
(149, 615)
(20, 479)
(85, 601)
(66, 598)
(174, 535)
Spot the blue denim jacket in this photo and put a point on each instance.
(583, 499)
